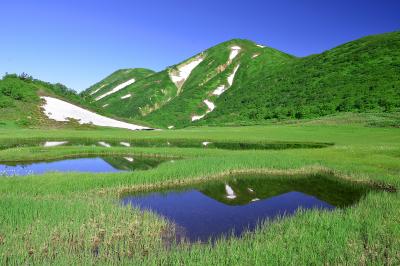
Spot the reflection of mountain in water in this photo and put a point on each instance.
(244, 190)
(132, 163)
(80, 164)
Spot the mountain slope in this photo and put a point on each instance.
(363, 75)
(183, 93)
(115, 82)
(31, 102)
(239, 82)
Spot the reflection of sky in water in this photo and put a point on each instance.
(97, 165)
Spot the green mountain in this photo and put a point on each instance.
(359, 76)
(240, 82)
(235, 82)
(177, 95)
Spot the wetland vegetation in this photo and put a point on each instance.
(67, 218)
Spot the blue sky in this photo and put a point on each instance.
(78, 43)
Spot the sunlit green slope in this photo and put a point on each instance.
(240, 82)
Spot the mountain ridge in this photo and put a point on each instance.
(207, 96)
(237, 82)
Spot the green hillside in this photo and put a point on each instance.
(158, 100)
(20, 101)
(360, 76)
(115, 79)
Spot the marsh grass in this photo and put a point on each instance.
(74, 218)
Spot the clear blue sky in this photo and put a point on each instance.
(78, 43)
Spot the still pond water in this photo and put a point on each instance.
(238, 204)
(93, 165)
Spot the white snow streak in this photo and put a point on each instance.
(118, 88)
(61, 111)
(219, 90)
(232, 76)
(93, 92)
(205, 143)
(126, 96)
(181, 75)
(197, 117)
(261, 46)
(211, 107)
(102, 86)
(235, 50)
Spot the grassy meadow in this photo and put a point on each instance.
(76, 218)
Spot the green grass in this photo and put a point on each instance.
(68, 218)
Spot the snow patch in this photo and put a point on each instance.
(54, 143)
(205, 143)
(235, 50)
(183, 71)
(104, 144)
(126, 96)
(261, 46)
(104, 106)
(171, 127)
(255, 55)
(126, 144)
(129, 159)
(118, 88)
(211, 107)
(219, 90)
(251, 190)
(197, 117)
(255, 199)
(232, 76)
(230, 194)
(61, 111)
(99, 88)
(93, 92)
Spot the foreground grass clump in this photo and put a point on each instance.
(75, 218)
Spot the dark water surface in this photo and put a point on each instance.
(93, 165)
(178, 143)
(238, 204)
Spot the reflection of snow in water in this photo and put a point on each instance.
(229, 191)
(126, 144)
(54, 143)
(104, 144)
(129, 159)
